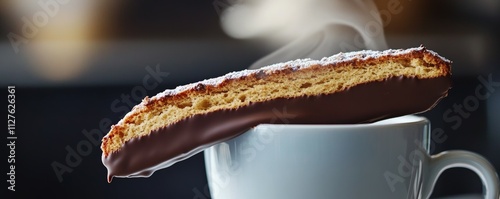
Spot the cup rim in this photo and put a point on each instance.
(390, 122)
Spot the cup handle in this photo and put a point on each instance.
(462, 159)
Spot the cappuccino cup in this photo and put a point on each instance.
(386, 159)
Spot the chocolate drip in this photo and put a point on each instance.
(369, 102)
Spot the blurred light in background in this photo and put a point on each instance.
(57, 35)
(87, 42)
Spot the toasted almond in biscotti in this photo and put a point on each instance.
(245, 91)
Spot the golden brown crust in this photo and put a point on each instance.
(291, 79)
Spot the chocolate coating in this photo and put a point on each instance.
(396, 96)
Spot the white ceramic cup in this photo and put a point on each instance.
(386, 159)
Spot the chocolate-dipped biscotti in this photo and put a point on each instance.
(347, 88)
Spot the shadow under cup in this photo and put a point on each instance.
(385, 159)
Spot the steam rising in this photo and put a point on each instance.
(306, 28)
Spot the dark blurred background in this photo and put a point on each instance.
(74, 71)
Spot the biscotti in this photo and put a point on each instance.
(354, 87)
